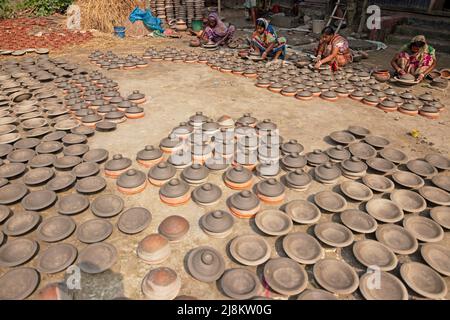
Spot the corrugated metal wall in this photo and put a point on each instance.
(413, 4)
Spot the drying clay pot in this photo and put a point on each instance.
(334, 234)
(175, 192)
(293, 161)
(174, 228)
(57, 258)
(217, 224)
(153, 249)
(134, 220)
(161, 284)
(195, 174)
(116, 166)
(373, 253)
(239, 283)
(250, 250)
(421, 168)
(353, 168)
(205, 264)
(317, 157)
(55, 229)
(437, 256)
(298, 180)
(94, 230)
(336, 276)
(285, 276)
(131, 182)
(423, 280)
(292, 146)
(149, 156)
(161, 173)
(97, 258)
(18, 284)
(391, 288)
(238, 178)
(327, 173)
(358, 221)
(441, 215)
(17, 252)
(72, 204)
(244, 204)
(270, 191)
(330, 201)
(207, 194)
(302, 248)
(398, 239)
(408, 200)
(424, 229)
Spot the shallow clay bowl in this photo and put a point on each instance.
(394, 155)
(421, 168)
(94, 230)
(302, 211)
(134, 220)
(330, 201)
(334, 234)
(438, 161)
(97, 257)
(437, 256)
(378, 183)
(72, 204)
(107, 205)
(384, 210)
(57, 258)
(435, 195)
(441, 215)
(250, 250)
(273, 222)
(239, 283)
(381, 165)
(423, 280)
(442, 182)
(17, 252)
(398, 239)
(408, 200)
(408, 179)
(38, 200)
(358, 221)
(21, 223)
(303, 248)
(336, 276)
(342, 137)
(285, 276)
(356, 191)
(424, 229)
(371, 252)
(18, 284)
(391, 288)
(55, 228)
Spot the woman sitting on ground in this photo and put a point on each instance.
(416, 58)
(333, 50)
(266, 42)
(216, 31)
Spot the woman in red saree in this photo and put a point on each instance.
(333, 50)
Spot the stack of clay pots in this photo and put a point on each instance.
(190, 11)
(161, 10)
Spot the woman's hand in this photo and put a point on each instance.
(318, 64)
(401, 72)
(420, 77)
(264, 55)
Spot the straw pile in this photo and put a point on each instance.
(103, 15)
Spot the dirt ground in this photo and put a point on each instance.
(175, 92)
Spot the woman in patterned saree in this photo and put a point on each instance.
(266, 42)
(333, 50)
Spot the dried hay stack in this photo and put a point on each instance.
(103, 15)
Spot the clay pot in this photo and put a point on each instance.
(175, 192)
(279, 274)
(90, 185)
(238, 178)
(131, 182)
(270, 191)
(174, 228)
(207, 194)
(336, 276)
(250, 250)
(97, 258)
(273, 222)
(153, 249)
(398, 239)
(317, 157)
(205, 264)
(423, 280)
(195, 174)
(240, 283)
(217, 224)
(161, 173)
(17, 252)
(327, 173)
(430, 253)
(244, 204)
(292, 146)
(423, 229)
(134, 220)
(18, 283)
(116, 166)
(381, 75)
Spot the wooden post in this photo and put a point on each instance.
(363, 16)
(219, 7)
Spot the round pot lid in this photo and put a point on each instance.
(373, 253)
(39, 200)
(442, 182)
(18, 284)
(317, 157)
(292, 146)
(244, 200)
(72, 204)
(11, 170)
(285, 276)
(342, 137)
(27, 143)
(376, 141)
(316, 294)
(86, 169)
(239, 283)
(17, 252)
(362, 150)
(57, 258)
(12, 193)
(330, 201)
(338, 153)
(207, 193)
(393, 155)
(398, 239)
(76, 150)
(94, 230)
(273, 222)
(9, 137)
(384, 210)
(378, 183)
(266, 125)
(270, 188)
(441, 215)
(238, 174)
(42, 160)
(38, 176)
(90, 184)
(358, 131)
(205, 264)
(381, 165)
(5, 149)
(162, 171)
(390, 287)
(149, 153)
(55, 229)
(435, 195)
(97, 257)
(421, 168)
(37, 132)
(250, 250)
(21, 223)
(118, 162)
(81, 130)
(327, 172)
(408, 179)
(298, 179)
(5, 129)
(195, 172)
(66, 162)
(334, 234)
(171, 141)
(438, 161)
(176, 188)
(408, 200)
(437, 256)
(54, 136)
(105, 125)
(423, 280)
(161, 284)
(73, 138)
(354, 164)
(107, 205)
(303, 248)
(358, 221)
(49, 147)
(153, 249)
(302, 211)
(61, 182)
(174, 227)
(424, 229)
(356, 191)
(218, 221)
(134, 220)
(5, 213)
(96, 155)
(336, 276)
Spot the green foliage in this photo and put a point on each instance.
(46, 7)
(6, 9)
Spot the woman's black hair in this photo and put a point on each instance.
(418, 44)
(260, 23)
(329, 31)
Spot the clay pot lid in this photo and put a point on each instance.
(105, 126)
(162, 171)
(197, 119)
(336, 276)
(441, 215)
(316, 294)
(391, 288)
(436, 160)
(424, 229)
(398, 239)
(285, 276)
(442, 181)
(21, 223)
(86, 169)
(42, 160)
(394, 155)
(302, 211)
(153, 249)
(117, 163)
(174, 227)
(407, 95)
(292, 146)
(421, 168)
(9, 137)
(96, 155)
(302, 248)
(171, 141)
(358, 131)
(408, 179)
(182, 129)
(27, 143)
(376, 141)
(174, 188)
(356, 191)
(57, 258)
(305, 93)
(247, 119)
(250, 250)
(294, 160)
(354, 164)
(239, 283)
(207, 193)
(238, 174)
(358, 221)
(437, 256)
(39, 200)
(18, 284)
(384, 210)
(273, 222)
(83, 130)
(61, 182)
(381, 165)
(17, 252)
(373, 253)
(244, 200)
(205, 264)
(73, 138)
(72, 204)
(94, 230)
(266, 125)
(317, 157)
(90, 184)
(327, 171)
(408, 200)
(338, 153)
(298, 179)
(334, 234)
(49, 147)
(270, 188)
(423, 280)
(161, 284)
(107, 205)
(55, 228)
(21, 155)
(38, 176)
(330, 201)
(11, 170)
(342, 137)
(195, 172)
(210, 126)
(362, 150)
(131, 179)
(149, 153)
(217, 221)
(97, 257)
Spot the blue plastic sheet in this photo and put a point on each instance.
(151, 22)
